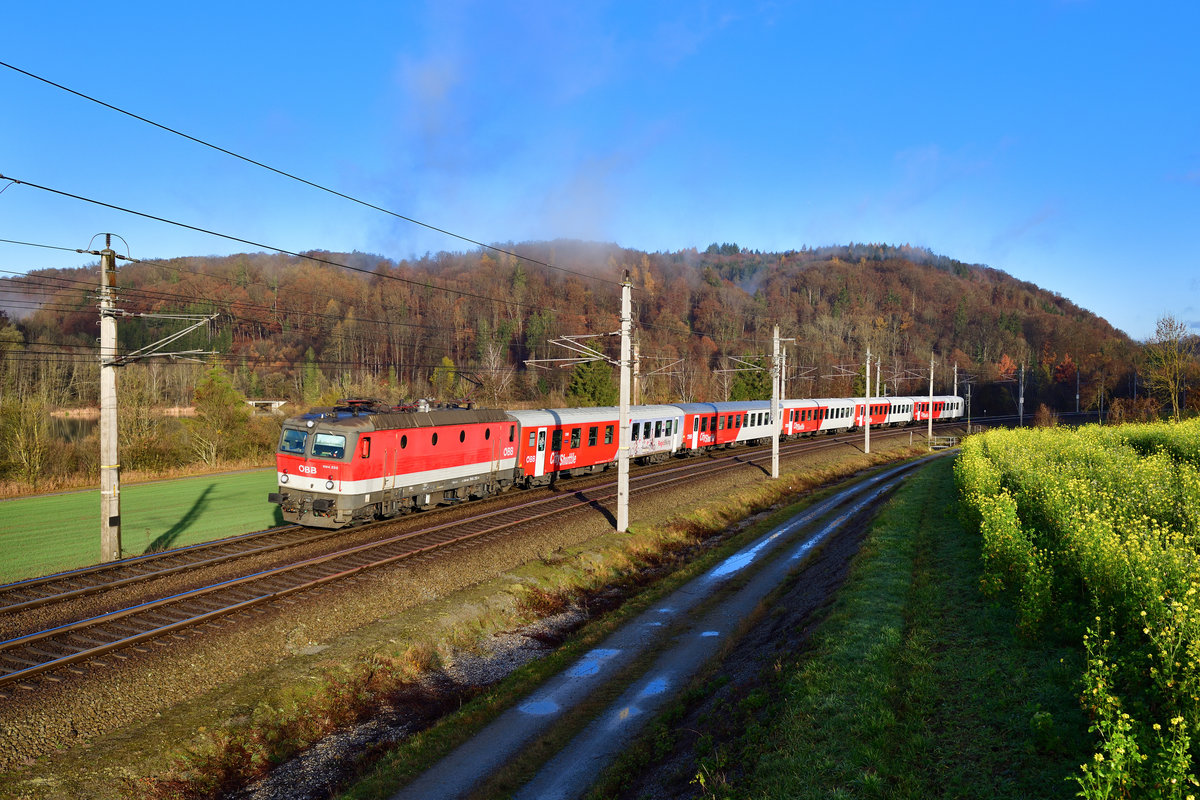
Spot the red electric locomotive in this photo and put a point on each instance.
(361, 460)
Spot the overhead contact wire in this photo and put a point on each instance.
(305, 181)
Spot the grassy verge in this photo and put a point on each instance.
(51, 533)
(917, 686)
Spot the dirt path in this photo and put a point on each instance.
(654, 657)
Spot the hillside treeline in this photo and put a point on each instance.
(462, 325)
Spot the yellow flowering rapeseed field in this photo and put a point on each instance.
(1096, 532)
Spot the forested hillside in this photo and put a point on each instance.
(303, 328)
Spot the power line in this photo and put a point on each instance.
(683, 332)
(229, 309)
(262, 246)
(45, 246)
(306, 182)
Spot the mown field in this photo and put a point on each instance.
(1093, 534)
(53, 533)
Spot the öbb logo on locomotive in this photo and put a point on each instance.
(390, 460)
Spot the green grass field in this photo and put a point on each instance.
(52, 533)
(918, 686)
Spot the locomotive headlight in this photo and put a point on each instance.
(328, 484)
(283, 478)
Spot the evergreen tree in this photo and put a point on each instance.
(592, 384)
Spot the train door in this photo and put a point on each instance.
(539, 467)
(695, 431)
(389, 473)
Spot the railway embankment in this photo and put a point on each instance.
(113, 726)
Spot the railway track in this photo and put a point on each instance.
(66, 646)
(63, 586)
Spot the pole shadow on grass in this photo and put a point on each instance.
(166, 540)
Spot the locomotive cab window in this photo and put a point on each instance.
(512, 431)
(293, 441)
(329, 445)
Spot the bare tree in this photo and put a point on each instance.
(1169, 360)
(496, 374)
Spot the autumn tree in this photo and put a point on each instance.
(1006, 367)
(220, 427)
(25, 437)
(1169, 357)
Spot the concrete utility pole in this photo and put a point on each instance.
(930, 434)
(867, 407)
(110, 469)
(1021, 401)
(956, 379)
(623, 442)
(1076, 390)
(878, 376)
(776, 381)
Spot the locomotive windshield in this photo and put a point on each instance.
(293, 441)
(329, 445)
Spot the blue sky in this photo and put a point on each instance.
(1058, 141)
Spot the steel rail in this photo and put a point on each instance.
(131, 623)
(177, 559)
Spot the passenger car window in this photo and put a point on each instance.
(592, 436)
(608, 434)
(575, 437)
